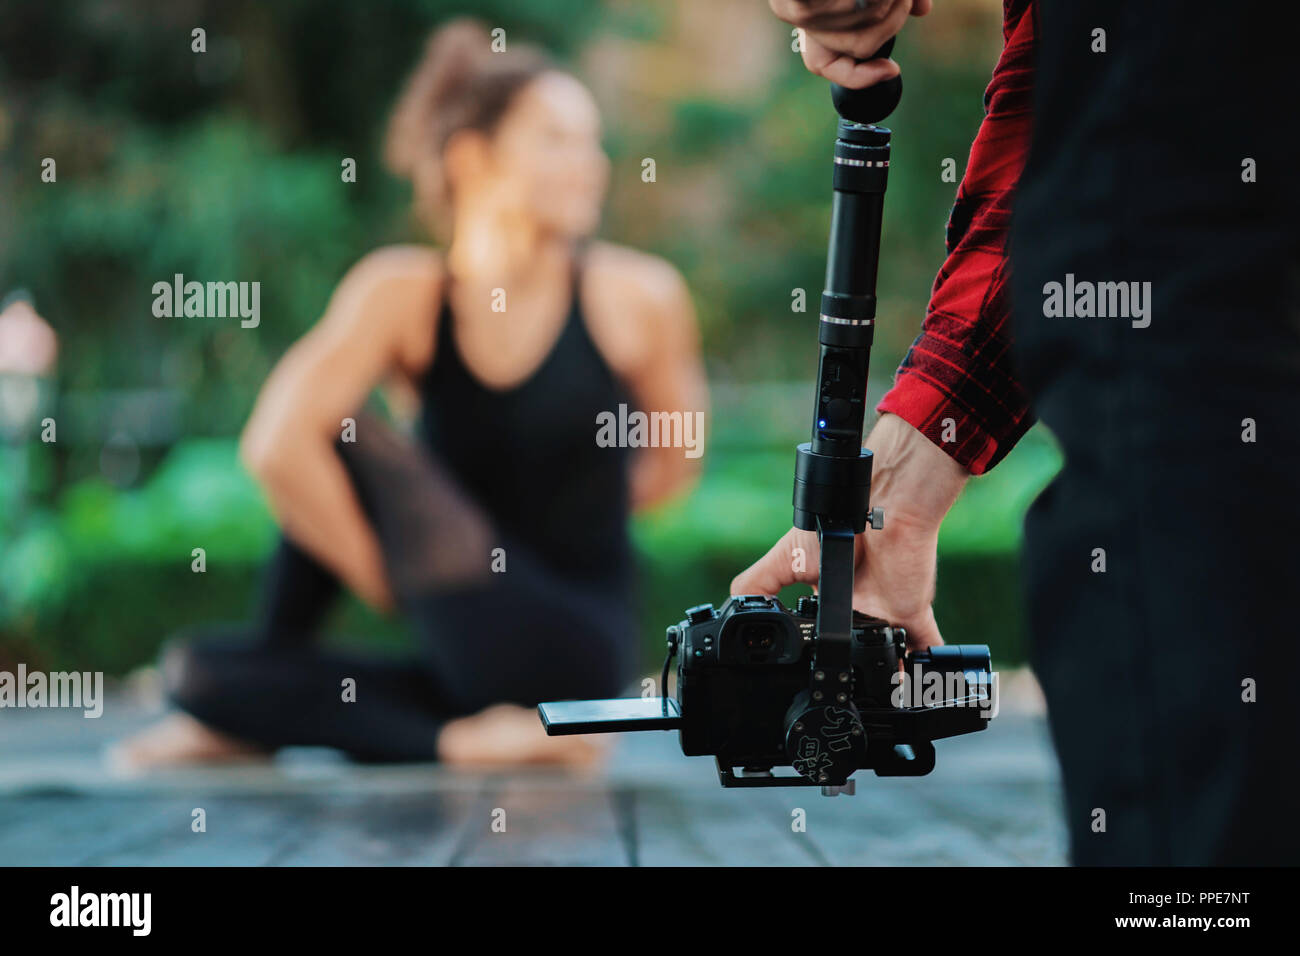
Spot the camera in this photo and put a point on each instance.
(822, 689)
(748, 695)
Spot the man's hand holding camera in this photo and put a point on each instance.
(913, 481)
(916, 484)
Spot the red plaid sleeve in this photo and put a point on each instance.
(956, 385)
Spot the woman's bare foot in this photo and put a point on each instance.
(506, 734)
(180, 740)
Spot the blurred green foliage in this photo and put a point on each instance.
(105, 576)
(226, 167)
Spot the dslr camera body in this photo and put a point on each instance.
(743, 687)
(746, 695)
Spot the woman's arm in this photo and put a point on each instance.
(651, 340)
(374, 320)
(671, 379)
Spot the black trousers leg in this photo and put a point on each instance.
(488, 631)
(373, 708)
(298, 594)
(522, 635)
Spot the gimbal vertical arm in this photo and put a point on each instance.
(833, 471)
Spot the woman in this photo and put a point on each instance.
(501, 534)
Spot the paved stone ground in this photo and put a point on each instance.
(993, 800)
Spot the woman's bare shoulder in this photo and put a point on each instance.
(633, 299)
(397, 265)
(649, 279)
(396, 287)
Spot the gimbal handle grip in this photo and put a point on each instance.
(872, 104)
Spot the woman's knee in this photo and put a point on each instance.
(434, 536)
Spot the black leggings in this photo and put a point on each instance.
(521, 635)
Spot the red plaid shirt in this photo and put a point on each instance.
(959, 367)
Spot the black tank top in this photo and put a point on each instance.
(528, 454)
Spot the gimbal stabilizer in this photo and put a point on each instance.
(832, 481)
(816, 688)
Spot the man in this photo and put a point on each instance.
(1156, 331)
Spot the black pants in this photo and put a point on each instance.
(1171, 675)
(523, 635)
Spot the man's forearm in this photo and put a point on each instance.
(957, 385)
(911, 479)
